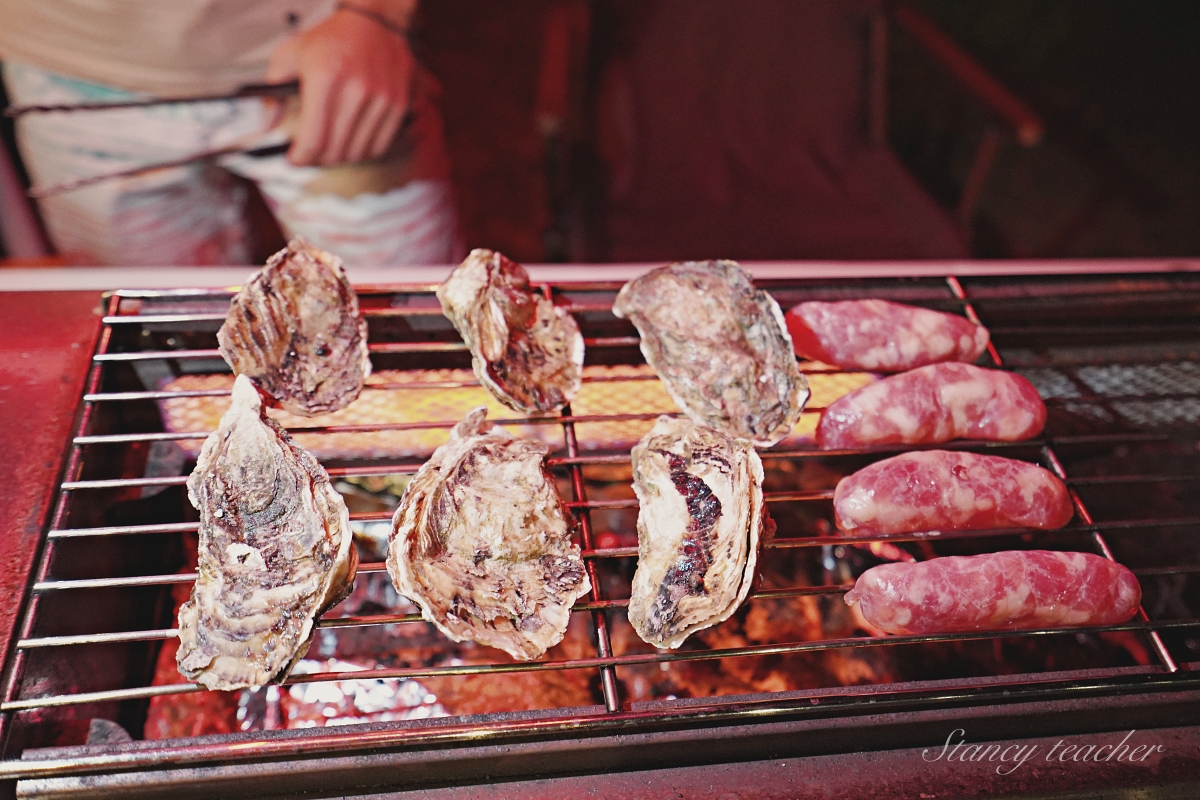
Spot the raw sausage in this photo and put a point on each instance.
(1019, 589)
(948, 491)
(881, 336)
(935, 404)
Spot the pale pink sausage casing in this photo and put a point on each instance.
(1017, 589)
(941, 490)
(881, 336)
(935, 404)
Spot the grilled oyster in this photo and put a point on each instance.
(275, 551)
(699, 527)
(482, 542)
(720, 347)
(295, 329)
(524, 349)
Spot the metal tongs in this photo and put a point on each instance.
(281, 90)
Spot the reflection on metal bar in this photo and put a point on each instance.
(162, 319)
(957, 290)
(1106, 480)
(1150, 572)
(151, 580)
(114, 583)
(368, 313)
(179, 480)
(376, 347)
(139, 693)
(843, 538)
(790, 453)
(116, 637)
(782, 542)
(1096, 399)
(311, 430)
(408, 469)
(125, 483)
(125, 397)
(362, 621)
(121, 530)
(131, 438)
(1101, 329)
(156, 355)
(181, 527)
(105, 397)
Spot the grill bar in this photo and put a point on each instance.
(375, 347)
(1097, 330)
(176, 394)
(1056, 467)
(1055, 300)
(383, 516)
(608, 677)
(104, 397)
(408, 469)
(392, 619)
(99, 399)
(378, 427)
(346, 741)
(789, 453)
(627, 552)
(74, 466)
(368, 313)
(385, 619)
(389, 619)
(1150, 572)
(1160, 648)
(609, 662)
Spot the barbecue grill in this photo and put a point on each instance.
(1116, 357)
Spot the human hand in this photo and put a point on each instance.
(356, 78)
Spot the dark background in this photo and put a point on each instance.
(1117, 81)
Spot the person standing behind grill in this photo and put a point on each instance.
(366, 176)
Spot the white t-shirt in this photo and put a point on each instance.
(163, 47)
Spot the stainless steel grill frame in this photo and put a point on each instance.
(1037, 319)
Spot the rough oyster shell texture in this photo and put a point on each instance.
(524, 349)
(720, 346)
(482, 542)
(275, 551)
(699, 526)
(295, 329)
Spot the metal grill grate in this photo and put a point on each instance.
(1122, 434)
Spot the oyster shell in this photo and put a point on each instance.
(720, 346)
(275, 551)
(295, 329)
(524, 349)
(482, 542)
(699, 527)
